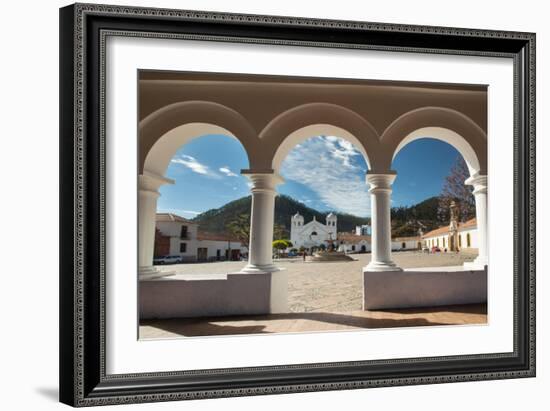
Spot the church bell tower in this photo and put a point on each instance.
(296, 224)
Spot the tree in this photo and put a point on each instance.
(240, 228)
(281, 245)
(279, 232)
(454, 189)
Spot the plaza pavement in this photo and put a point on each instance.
(322, 297)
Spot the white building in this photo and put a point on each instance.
(463, 236)
(178, 236)
(350, 243)
(314, 233)
(363, 230)
(406, 243)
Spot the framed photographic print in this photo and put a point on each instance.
(261, 204)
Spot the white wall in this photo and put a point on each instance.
(193, 245)
(349, 248)
(173, 228)
(213, 246)
(409, 244)
(432, 241)
(30, 124)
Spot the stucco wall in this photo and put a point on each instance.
(423, 288)
(182, 296)
(409, 244)
(173, 229)
(474, 243)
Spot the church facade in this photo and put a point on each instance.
(313, 234)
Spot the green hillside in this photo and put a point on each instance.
(406, 221)
(216, 220)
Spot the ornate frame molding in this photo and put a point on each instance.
(83, 34)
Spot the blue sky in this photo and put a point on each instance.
(325, 172)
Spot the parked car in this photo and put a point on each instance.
(436, 250)
(168, 259)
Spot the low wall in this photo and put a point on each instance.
(182, 296)
(423, 287)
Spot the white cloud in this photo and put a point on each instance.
(329, 166)
(225, 170)
(194, 165)
(341, 149)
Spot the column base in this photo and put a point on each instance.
(256, 268)
(382, 266)
(150, 272)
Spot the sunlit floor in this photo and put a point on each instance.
(315, 321)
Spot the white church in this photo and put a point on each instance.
(314, 233)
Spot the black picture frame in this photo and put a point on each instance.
(83, 381)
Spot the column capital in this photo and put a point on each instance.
(380, 182)
(151, 182)
(263, 181)
(479, 181)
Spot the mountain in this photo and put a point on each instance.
(406, 221)
(215, 220)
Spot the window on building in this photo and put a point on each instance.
(403, 245)
(183, 233)
(438, 242)
(444, 241)
(352, 248)
(468, 240)
(183, 247)
(459, 240)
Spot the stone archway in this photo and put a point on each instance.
(440, 123)
(459, 131)
(162, 133)
(299, 123)
(271, 114)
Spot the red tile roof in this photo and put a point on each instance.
(352, 238)
(168, 217)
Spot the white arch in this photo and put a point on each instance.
(448, 136)
(304, 133)
(163, 150)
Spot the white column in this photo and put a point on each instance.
(147, 210)
(479, 182)
(380, 195)
(260, 249)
